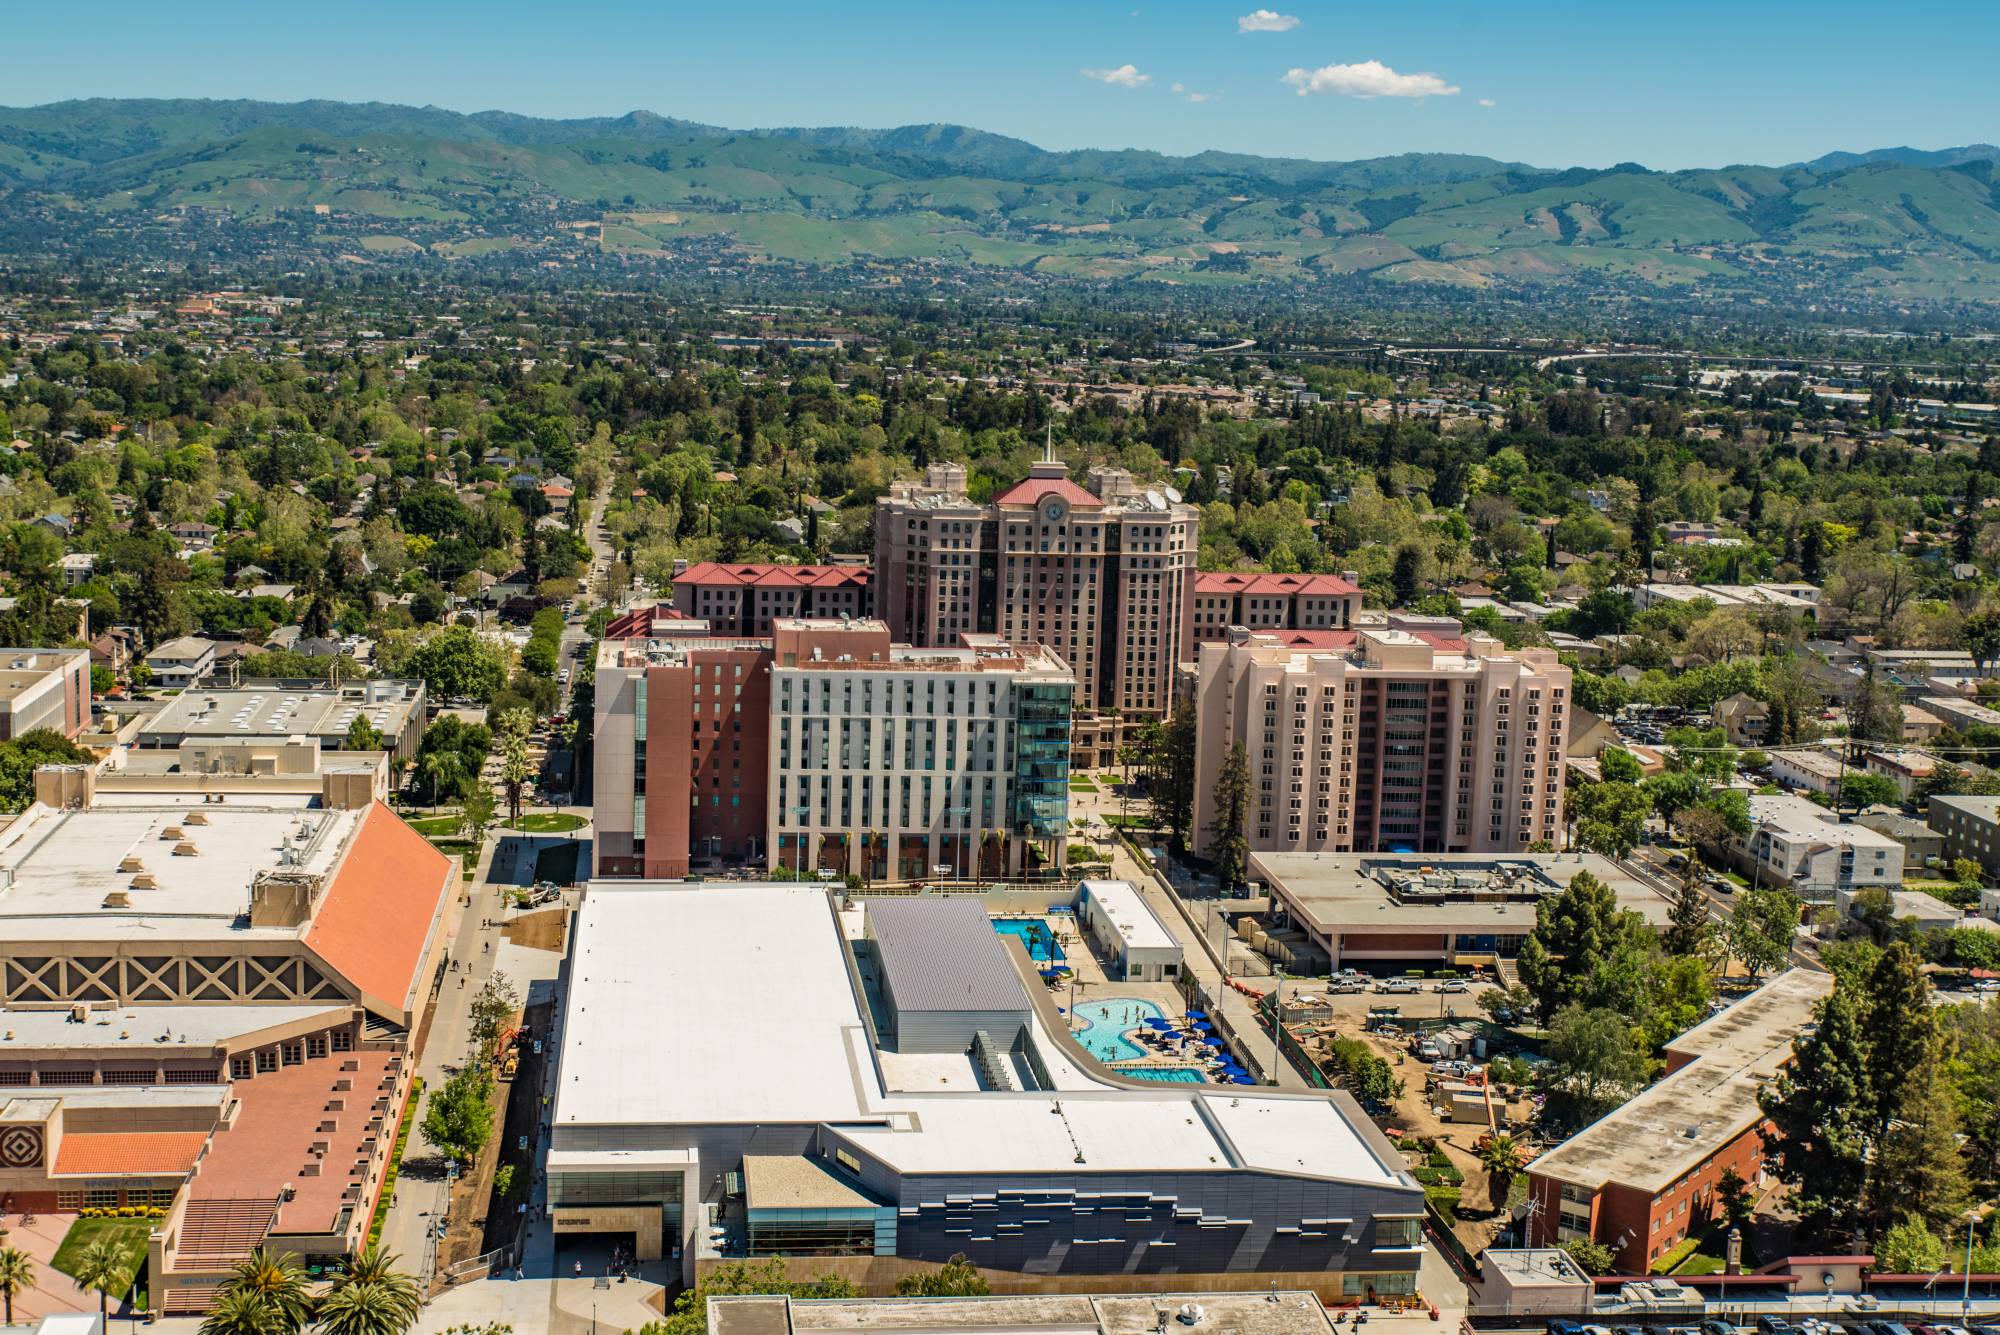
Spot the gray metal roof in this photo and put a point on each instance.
(943, 955)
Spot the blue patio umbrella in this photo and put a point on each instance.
(1197, 1015)
(1155, 1022)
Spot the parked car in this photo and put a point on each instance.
(1772, 1325)
(1399, 986)
(1454, 985)
(1717, 1328)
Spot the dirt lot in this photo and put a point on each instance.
(538, 931)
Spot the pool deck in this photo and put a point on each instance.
(1092, 984)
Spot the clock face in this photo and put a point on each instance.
(1053, 512)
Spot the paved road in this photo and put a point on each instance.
(472, 943)
(1649, 865)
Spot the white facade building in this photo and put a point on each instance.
(1142, 946)
(924, 759)
(1801, 844)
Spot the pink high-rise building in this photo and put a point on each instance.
(1102, 574)
(1384, 741)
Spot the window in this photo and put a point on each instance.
(239, 1068)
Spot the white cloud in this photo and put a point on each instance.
(1267, 20)
(1192, 96)
(1487, 102)
(1125, 76)
(1369, 78)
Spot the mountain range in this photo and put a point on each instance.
(374, 181)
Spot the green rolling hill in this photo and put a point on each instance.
(1895, 225)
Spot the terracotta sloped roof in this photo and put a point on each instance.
(787, 576)
(637, 623)
(1262, 582)
(1034, 490)
(278, 1120)
(379, 912)
(128, 1153)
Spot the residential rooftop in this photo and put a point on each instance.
(1785, 816)
(1676, 1124)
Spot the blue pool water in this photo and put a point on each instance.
(1166, 1075)
(1106, 1023)
(1035, 934)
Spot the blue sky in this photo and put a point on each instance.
(1553, 83)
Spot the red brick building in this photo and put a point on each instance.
(1643, 1178)
(680, 753)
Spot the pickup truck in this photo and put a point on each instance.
(1399, 986)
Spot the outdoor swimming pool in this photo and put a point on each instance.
(1035, 934)
(1166, 1075)
(1106, 1023)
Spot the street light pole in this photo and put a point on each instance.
(1965, 1299)
(798, 839)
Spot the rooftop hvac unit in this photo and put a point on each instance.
(144, 881)
(117, 899)
(195, 818)
(171, 832)
(186, 849)
(131, 863)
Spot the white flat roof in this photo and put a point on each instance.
(1126, 906)
(58, 866)
(706, 1004)
(697, 1003)
(144, 1028)
(273, 712)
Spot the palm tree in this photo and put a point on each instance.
(1503, 1158)
(368, 1307)
(377, 1268)
(279, 1282)
(17, 1275)
(444, 769)
(240, 1312)
(102, 1266)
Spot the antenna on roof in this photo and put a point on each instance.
(1049, 441)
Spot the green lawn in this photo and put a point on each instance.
(557, 863)
(1082, 786)
(546, 822)
(435, 825)
(129, 1235)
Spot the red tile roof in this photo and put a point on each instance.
(1212, 583)
(776, 576)
(1034, 490)
(128, 1153)
(382, 907)
(1344, 640)
(277, 1124)
(636, 623)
